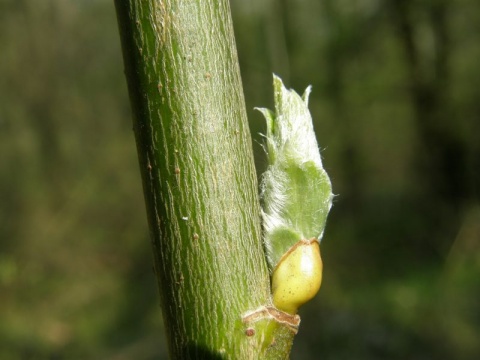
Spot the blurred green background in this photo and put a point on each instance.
(396, 105)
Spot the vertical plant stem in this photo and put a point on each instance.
(199, 181)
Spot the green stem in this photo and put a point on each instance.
(199, 181)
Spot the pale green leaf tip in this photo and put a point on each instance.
(306, 94)
(296, 190)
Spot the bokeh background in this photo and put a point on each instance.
(396, 105)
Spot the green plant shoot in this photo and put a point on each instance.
(296, 197)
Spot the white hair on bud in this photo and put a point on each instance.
(294, 160)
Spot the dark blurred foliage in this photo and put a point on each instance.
(396, 105)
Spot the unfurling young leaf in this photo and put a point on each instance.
(297, 196)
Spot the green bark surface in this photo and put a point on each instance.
(199, 181)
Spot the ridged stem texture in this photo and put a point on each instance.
(199, 181)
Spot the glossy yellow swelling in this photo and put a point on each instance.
(298, 276)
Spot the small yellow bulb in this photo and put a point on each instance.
(298, 276)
